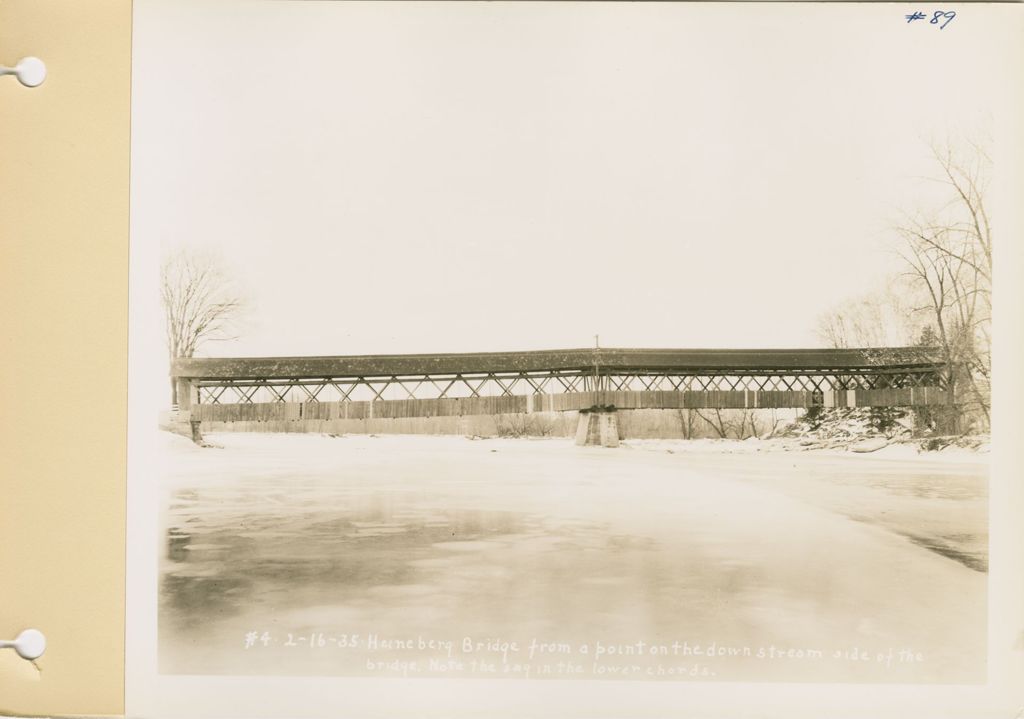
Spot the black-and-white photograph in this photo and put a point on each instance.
(558, 341)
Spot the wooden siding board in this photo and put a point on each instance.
(518, 404)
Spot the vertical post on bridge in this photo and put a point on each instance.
(598, 424)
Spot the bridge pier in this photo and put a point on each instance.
(187, 393)
(598, 426)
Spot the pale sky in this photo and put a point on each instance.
(488, 176)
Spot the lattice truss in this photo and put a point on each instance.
(340, 389)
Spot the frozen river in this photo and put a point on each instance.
(428, 556)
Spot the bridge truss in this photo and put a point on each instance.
(342, 379)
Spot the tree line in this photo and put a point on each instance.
(941, 296)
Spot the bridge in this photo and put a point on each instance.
(497, 383)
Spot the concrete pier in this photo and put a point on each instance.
(598, 427)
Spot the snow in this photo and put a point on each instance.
(748, 544)
(886, 448)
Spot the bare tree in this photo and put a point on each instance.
(686, 422)
(747, 425)
(948, 254)
(717, 422)
(944, 295)
(199, 302)
(879, 318)
(775, 423)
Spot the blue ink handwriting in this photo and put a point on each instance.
(937, 17)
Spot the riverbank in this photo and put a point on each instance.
(956, 449)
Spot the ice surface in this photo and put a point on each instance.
(736, 544)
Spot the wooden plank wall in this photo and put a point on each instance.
(383, 409)
(903, 397)
(519, 404)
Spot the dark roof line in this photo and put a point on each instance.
(668, 360)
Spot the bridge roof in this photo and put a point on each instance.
(678, 361)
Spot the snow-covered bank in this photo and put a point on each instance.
(906, 449)
(952, 449)
(897, 430)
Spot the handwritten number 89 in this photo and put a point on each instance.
(949, 15)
